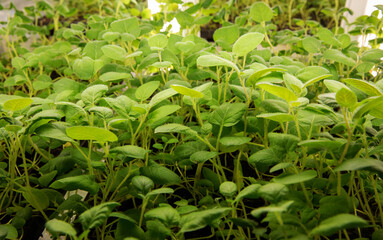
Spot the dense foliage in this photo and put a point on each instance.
(112, 128)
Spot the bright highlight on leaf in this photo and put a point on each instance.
(279, 91)
(91, 133)
(17, 104)
(187, 91)
(211, 60)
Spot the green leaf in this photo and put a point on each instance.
(37, 198)
(114, 52)
(316, 79)
(228, 189)
(18, 63)
(228, 114)
(162, 112)
(112, 76)
(372, 55)
(134, 54)
(296, 178)
(322, 144)
(226, 34)
(338, 56)
(240, 92)
(205, 89)
(187, 91)
(273, 192)
(278, 117)
(163, 95)
(146, 90)
(121, 104)
(158, 41)
(211, 60)
(364, 86)
(334, 86)
(102, 112)
(184, 19)
(45, 179)
(157, 230)
(167, 215)
(365, 67)
(92, 94)
(84, 68)
(234, 141)
(253, 79)
(148, 60)
(48, 114)
(311, 72)
(311, 44)
(130, 151)
(260, 12)
(250, 191)
(96, 215)
(52, 131)
(17, 104)
(160, 174)
(282, 207)
(293, 83)
(142, 183)
(127, 25)
(42, 82)
(346, 98)
(93, 49)
(8, 231)
(283, 143)
(279, 91)
(341, 221)
(330, 206)
(160, 191)
(328, 37)
(280, 166)
(163, 64)
(344, 39)
(83, 182)
(185, 46)
(202, 156)
(264, 158)
(372, 105)
(58, 227)
(247, 43)
(13, 128)
(91, 133)
(175, 127)
(197, 220)
(360, 163)
(123, 216)
(111, 36)
(377, 235)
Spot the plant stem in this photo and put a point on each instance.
(143, 207)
